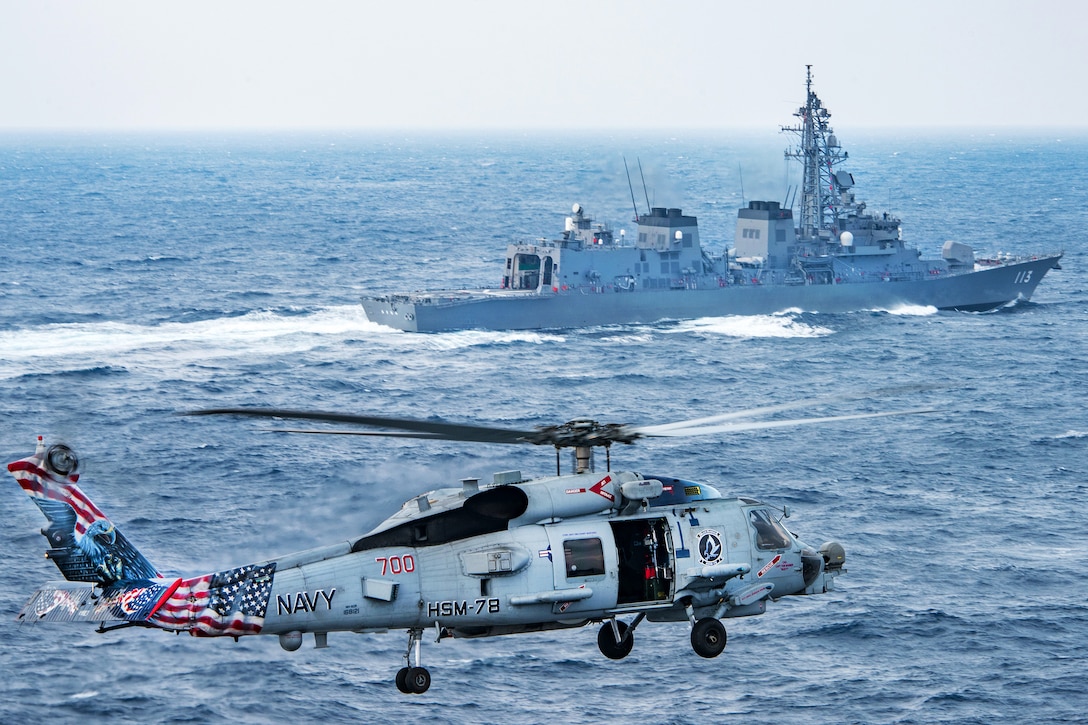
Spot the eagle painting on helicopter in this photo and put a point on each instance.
(516, 555)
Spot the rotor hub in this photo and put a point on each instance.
(584, 433)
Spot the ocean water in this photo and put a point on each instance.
(149, 275)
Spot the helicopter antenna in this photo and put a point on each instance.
(644, 190)
(631, 187)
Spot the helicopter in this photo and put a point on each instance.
(510, 556)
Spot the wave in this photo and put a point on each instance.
(785, 325)
(908, 310)
(474, 338)
(83, 345)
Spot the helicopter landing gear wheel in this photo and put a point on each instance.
(413, 680)
(612, 648)
(419, 679)
(708, 637)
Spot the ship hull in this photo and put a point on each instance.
(981, 290)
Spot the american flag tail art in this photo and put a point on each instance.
(109, 581)
(83, 542)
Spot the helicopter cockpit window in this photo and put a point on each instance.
(769, 533)
(584, 557)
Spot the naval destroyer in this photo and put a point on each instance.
(836, 257)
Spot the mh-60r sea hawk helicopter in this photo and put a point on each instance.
(514, 556)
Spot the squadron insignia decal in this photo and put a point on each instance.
(710, 546)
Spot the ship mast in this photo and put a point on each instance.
(818, 152)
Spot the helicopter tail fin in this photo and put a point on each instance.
(84, 543)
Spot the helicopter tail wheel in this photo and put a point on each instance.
(610, 646)
(708, 637)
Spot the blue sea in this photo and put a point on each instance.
(148, 275)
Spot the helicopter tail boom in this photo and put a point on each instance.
(110, 581)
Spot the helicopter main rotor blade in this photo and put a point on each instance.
(425, 429)
(376, 433)
(575, 433)
(759, 425)
(662, 429)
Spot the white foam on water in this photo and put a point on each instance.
(473, 338)
(73, 346)
(784, 325)
(909, 310)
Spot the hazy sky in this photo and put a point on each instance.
(609, 64)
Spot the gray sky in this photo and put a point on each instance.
(555, 65)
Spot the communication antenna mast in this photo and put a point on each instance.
(644, 191)
(629, 186)
(818, 153)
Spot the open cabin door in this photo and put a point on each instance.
(646, 564)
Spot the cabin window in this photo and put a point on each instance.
(769, 533)
(584, 557)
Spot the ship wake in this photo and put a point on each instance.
(782, 325)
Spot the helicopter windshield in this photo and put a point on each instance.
(770, 534)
